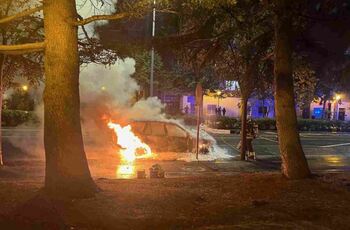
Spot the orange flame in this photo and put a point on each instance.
(132, 147)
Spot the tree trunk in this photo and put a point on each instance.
(2, 66)
(294, 164)
(67, 172)
(244, 126)
(324, 114)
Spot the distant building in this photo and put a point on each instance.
(258, 108)
(332, 110)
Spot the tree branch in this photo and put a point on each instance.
(22, 49)
(268, 56)
(101, 17)
(20, 15)
(84, 30)
(167, 11)
(117, 16)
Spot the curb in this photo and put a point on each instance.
(219, 131)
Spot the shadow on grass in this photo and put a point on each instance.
(39, 212)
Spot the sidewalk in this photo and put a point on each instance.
(217, 131)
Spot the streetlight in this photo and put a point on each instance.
(336, 106)
(152, 50)
(25, 88)
(103, 88)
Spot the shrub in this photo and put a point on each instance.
(270, 124)
(13, 118)
(190, 120)
(266, 123)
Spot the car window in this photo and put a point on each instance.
(148, 129)
(137, 127)
(175, 131)
(158, 129)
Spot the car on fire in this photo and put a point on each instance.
(166, 136)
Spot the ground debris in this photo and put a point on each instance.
(244, 201)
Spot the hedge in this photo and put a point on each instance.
(270, 124)
(13, 118)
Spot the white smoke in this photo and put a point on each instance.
(113, 81)
(114, 89)
(111, 90)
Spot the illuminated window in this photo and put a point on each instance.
(231, 85)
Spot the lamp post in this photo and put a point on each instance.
(152, 50)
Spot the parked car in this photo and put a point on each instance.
(164, 136)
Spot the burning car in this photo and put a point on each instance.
(167, 136)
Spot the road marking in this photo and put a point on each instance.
(230, 145)
(273, 133)
(336, 145)
(268, 139)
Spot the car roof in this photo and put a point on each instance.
(155, 121)
(165, 122)
(172, 123)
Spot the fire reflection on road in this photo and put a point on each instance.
(334, 160)
(131, 149)
(127, 171)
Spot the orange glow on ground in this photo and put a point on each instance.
(132, 148)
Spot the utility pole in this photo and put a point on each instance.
(152, 51)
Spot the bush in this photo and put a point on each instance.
(266, 123)
(190, 120)
(270, 124)
(13, 118)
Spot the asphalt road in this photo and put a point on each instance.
(326, 152)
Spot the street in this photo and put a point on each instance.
(325, 152)
(196, 193)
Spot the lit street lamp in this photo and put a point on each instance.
(336, 106)
(152, 50)
(25, 88)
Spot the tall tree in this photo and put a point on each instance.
(305, 82)
(25, 66)
(235, 42)
(294, 164)
(67, 171)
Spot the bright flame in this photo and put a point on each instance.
(132, 147)
(25, 88)
(126, 171)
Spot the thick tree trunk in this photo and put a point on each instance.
(67, 172)
(2, 66)
(294, 164)
(244, 111)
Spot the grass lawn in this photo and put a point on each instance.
(244, 201)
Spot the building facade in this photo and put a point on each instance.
(331, 110)
(257, 108)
